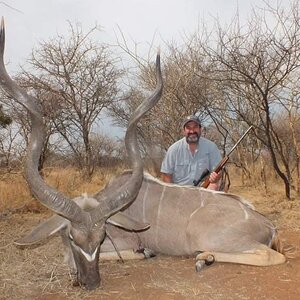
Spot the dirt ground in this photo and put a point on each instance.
(40, 273)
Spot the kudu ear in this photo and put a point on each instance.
(128, 223)
(43, 231)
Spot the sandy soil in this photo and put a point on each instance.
(40, 273)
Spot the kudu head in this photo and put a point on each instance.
(86, 223)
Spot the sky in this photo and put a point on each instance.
(29, 22)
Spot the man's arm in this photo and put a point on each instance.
(167, 177)
(167, 167)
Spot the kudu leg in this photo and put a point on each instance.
(126, 243)
(125, 255)
(261, 256)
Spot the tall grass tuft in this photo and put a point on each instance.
(14, 191)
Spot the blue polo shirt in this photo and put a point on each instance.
(186, 167)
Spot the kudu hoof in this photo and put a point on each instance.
(148, 253)
(201, 263)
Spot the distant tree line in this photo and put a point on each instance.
(232, 76)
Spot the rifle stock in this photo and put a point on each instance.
(222, 163)
(217, 169)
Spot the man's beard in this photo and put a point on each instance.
(192, 138)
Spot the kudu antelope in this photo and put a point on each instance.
(190, 221)
(85, 223)
(184, 221)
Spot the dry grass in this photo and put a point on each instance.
(273, 203)
(13, 191)
(39, 273)
(15, 195)
(32, 272)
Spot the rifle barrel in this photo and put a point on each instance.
(240, 139)
(220, 166)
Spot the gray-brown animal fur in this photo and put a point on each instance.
(188, 220)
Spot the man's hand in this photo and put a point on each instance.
(167, 177)
(214, 179)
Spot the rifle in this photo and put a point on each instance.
(220, 165)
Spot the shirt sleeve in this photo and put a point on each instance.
(168, 163)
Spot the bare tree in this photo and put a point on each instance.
(12, 148)
(251, 66)
(11, 141)
(234, 76)
(107, 152)
(76, 79)
(183, 94)
(4, 118)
